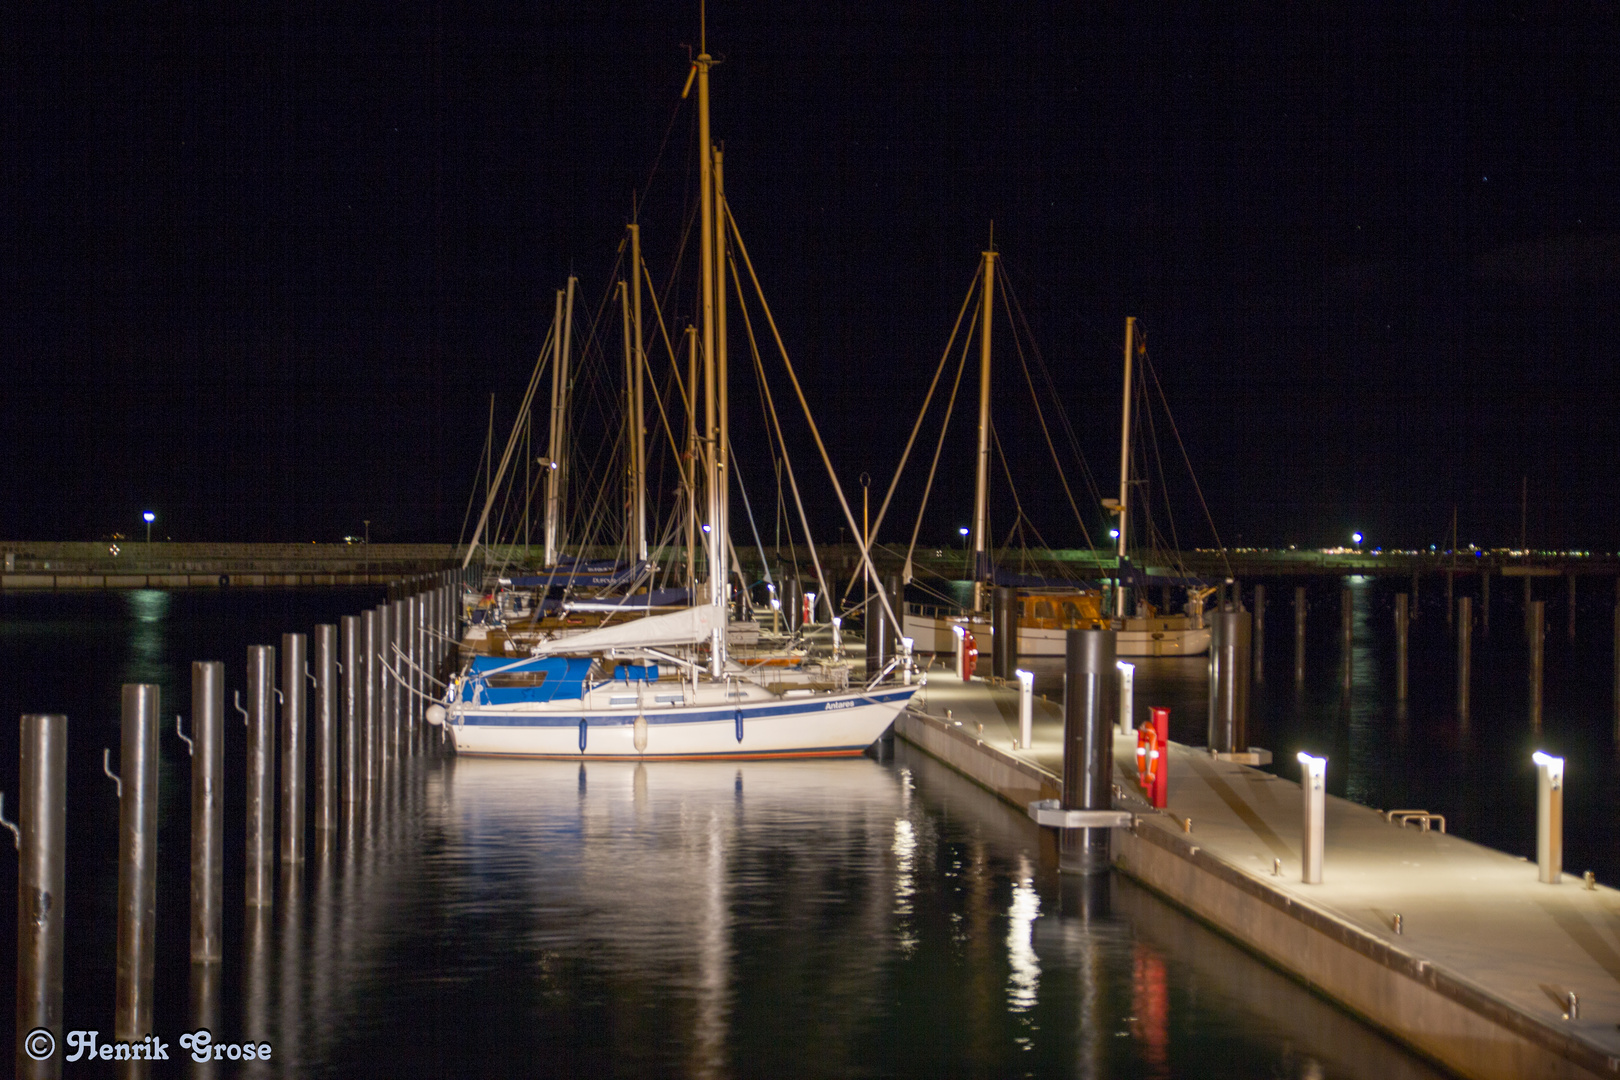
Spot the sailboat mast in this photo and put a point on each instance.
(714, 541)
(630, 478)
(981, 478)
(722, 444)
(689, 469)
(553, 444)
(564, 451)
(1121, 610)
(638, 432)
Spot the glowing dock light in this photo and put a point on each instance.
(1549, 816)
(1313, 773)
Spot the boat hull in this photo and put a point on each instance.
(933, 634)
(822, 725)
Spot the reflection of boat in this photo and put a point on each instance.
(648, 688)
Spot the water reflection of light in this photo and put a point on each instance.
(905, 882)
(1024, 978)
(148, 646)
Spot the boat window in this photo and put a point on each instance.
(527, 680)
(1070, 611)
(1043, 609)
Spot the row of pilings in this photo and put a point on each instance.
(326, 742)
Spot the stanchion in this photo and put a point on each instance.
(1026, 708)
(41, 842)
(1313, 788)
(207, 811)
(1089, 708)
(326, 734)
(137, 862)
(259, 868)
(1549, 816)
(294, 699)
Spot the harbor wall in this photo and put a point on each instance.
(1442, 1017)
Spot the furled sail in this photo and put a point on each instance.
(685, 627)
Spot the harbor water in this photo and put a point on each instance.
(877, 916)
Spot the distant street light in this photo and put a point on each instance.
(150, 517)
(1355, 538)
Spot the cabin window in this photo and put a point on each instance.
(1071, 611)
(1043, 609)
(527, 680)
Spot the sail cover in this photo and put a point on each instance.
(685, 627)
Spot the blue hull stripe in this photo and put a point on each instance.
(626, 717)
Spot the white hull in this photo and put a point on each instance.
(933, 634)
(812, 725)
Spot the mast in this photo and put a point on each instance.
(981, 478)
(714, 541)
(631, 479)
(564, 451)
(638, 437)
(553, 442)
(689, 469)
(722, 449)
(1120, 608)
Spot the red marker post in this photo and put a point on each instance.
(1159, 793)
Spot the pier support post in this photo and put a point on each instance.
(353, 702)
(41, 871)
(1403, 628)
(1127, 696)
(1347, 631)
(1538, 649)
(385, 689)
(1089, 707)
(1617, 660)
(295, 700)
(371, 635)
(398, 636)
(207, 811)
(877, 636)
(1312, 840)
(1571, 628)
(1004, 632)
(1229, 682)
(326, 735)
(137, 862)
(1026, 709)
(259, 864)
(1299, 634)
(1484, 602)
(1257, 644)
(1465, 651)
(1549, 817)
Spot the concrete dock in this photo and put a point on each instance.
(1479, 976)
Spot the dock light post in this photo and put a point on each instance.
(1549, 816)
(1127, 696)
(149, 517)
(967, 567)
(1312, 786)
(1026, 708)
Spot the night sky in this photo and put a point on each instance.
(263, 264)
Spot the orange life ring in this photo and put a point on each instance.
(1147, 757)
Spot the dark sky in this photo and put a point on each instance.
(263, 264)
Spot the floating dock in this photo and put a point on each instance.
(1455, 949)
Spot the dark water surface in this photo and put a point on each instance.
(843, 918)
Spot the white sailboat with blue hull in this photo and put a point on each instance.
(662, 686)
(619, 692)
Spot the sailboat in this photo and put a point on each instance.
(1046, 612)
(660, 686)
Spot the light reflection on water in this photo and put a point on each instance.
(736, 919)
